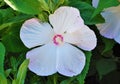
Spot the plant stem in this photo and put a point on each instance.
(55, 79)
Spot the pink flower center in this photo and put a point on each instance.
(58, 39)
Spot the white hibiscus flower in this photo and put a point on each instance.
(111, 27)
(57, 53)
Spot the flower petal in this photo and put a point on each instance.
(111, 27)
(84, 38)
(34, 33)
(43, 60)
(70, 60)
(95, 3)
(66, 19)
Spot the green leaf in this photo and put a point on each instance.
(1, 18)
(7, 72)
(86, 11)
(28, 6)
(9, 21)
(68, 81)
(58, 3)
(54, 4)
(109, 44)
(2, 56)
(6, 14)
(105, 66)
(13, 63)
(11, 39)
(22, 72)
(3, 80)
(105, 4)
(14, 82)
(82, 76)
(88, 1)
(2, 3)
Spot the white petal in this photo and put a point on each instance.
(84, 38)
(43, 60)
(70, 60)
(95, 3)
(34, 33)
(111, 27)
(66, 19)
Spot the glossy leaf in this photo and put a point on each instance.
(28, 6)
(22, 72)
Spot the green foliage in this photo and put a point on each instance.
(28, 6)
(2, 57)
(82, 76)
(7, 72)
(3, 80)
(12, 51)
(105, 4)
(68, 81)
(34, 6)
(2, 3)
(4, 14)
(22, 73)
(86, 11)
(10, 20)
(12, 39)
(109, 44)
(54, 4)
(105, 66)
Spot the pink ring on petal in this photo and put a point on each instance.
(58, 39)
